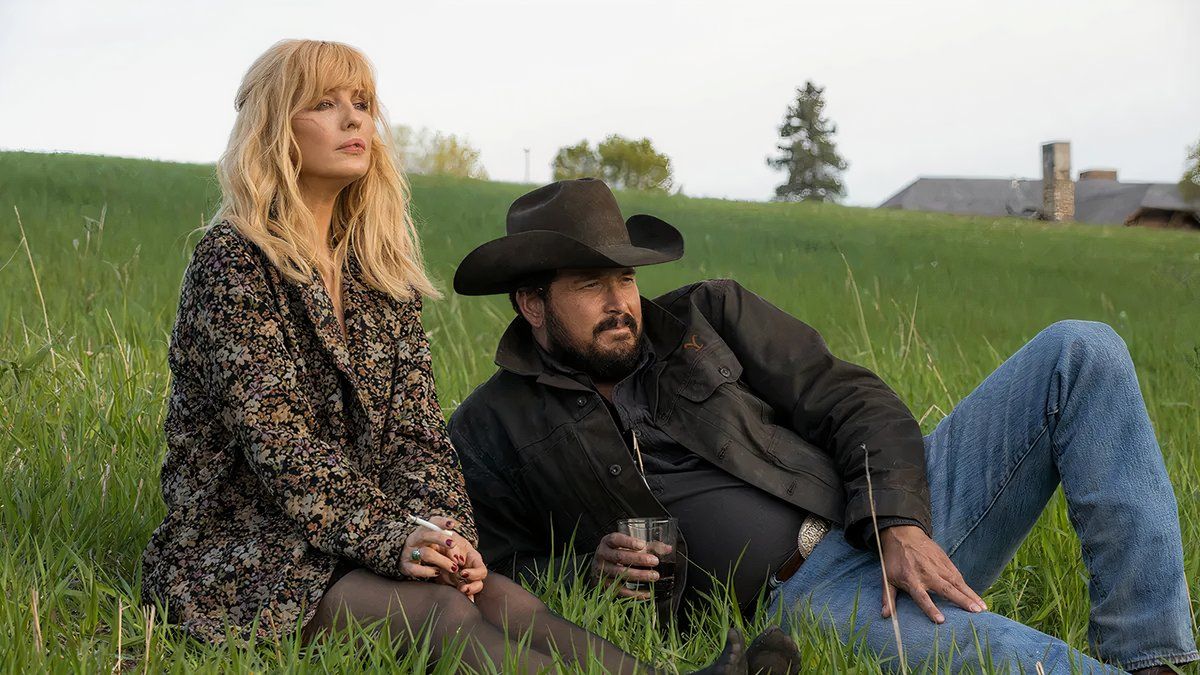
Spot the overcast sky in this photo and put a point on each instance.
(956, 87)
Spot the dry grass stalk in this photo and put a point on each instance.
(938, 374)
(120, 610)
(104, 485)
(149, 631)
(932, 408)
(862, 318)
(37, 622)
(887, 587)
(38, 286)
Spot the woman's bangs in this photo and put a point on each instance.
(336, 66)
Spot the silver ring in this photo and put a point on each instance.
(415, 556)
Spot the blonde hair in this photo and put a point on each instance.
(260, 169)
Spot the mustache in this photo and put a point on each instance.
(622, 321)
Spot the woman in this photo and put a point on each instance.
(303, 427)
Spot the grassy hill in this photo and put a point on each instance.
(932, 303)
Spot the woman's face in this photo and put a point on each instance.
(335, 135)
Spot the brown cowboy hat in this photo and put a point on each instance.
(567, 224)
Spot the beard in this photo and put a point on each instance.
(602, 365)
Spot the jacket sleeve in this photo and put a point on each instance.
(254, 381)
(838, 406)
(430, 462)
(511, 538)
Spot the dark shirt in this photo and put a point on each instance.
(736, 533)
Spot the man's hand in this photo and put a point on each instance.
(619, 558)
(918, 566)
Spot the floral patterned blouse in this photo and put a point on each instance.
(289, 448)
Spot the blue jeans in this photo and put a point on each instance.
(1066, 409)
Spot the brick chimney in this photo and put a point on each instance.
(1058, 192)
(1098, 174)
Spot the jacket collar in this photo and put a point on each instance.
(518, 351)
(370, 323)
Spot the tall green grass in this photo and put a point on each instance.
(932, 303)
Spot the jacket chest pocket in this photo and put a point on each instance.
(562, 481)
(731, 415)
(712, 394)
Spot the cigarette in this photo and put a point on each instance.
(425, 523)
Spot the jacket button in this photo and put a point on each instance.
(615, 469)
(581, 401)
(724, 371)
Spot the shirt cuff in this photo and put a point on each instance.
(885, 523)
(865, 533)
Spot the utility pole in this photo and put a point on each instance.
(527, 165)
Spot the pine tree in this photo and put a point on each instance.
(807, 151)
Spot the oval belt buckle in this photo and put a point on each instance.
(812, 531)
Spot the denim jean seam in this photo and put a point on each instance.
(996, 497)
(1176, 658)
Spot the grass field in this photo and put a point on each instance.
(932, 303)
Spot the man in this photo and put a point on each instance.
(779, 460)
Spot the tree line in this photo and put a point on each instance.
(806, 153)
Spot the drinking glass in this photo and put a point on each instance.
(661, 536)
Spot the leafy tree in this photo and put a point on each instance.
(634, 164)
(623, 163)
(576, 161)
(807, 151)
(409, 145)
(433, 152)
(451, 156)
(1189, 185)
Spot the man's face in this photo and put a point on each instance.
(593, 321)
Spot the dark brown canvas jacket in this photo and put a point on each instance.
(289, 447)
(744, 385)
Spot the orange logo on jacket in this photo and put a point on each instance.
(693, 344)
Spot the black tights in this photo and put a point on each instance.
(504, 608)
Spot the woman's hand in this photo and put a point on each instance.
(437, 552)
(452, 559)
(471, 574)
(471, 568)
